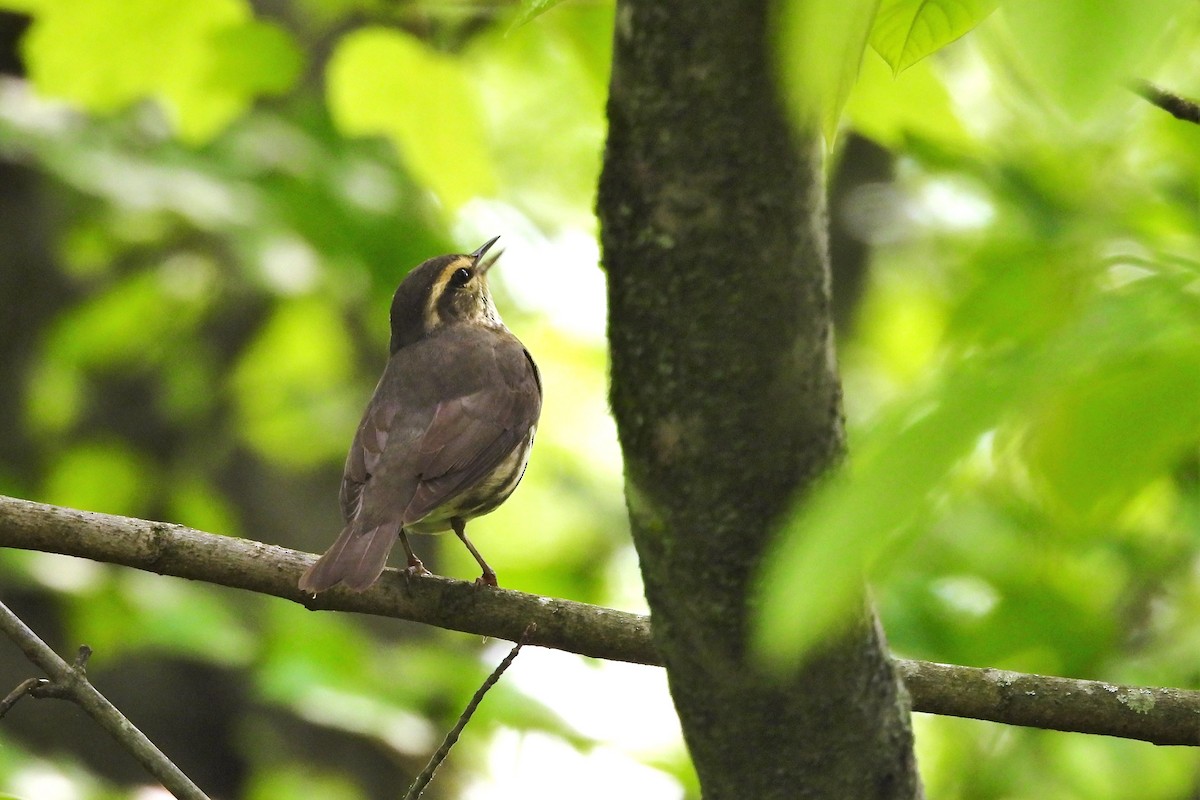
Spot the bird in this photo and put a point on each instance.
(447, 434)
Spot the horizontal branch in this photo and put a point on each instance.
(1155, 715)
(169, 549)
(1161, 716)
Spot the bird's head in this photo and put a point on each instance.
(447, 290)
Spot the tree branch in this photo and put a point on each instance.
(169, 549)
(1160, 716)
(1177, 106)
(69, 682)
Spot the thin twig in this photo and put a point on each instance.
(438, 757)
(23, 688)
(1175, 105)
(70, 682)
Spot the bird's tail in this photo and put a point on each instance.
(355, 559)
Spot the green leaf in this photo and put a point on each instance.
(139, 611)
(105, 476)
(205, 60)
(384, 82)
(1099, 442)
(299, 779)
(55, 394)
(1081, 54)
(819, 47)
(1128, 361)
(551, 178)
(289, 386)
(255, 56)
(888, 108)
(906, 31)
(25, 6)
(531, 9)
(1128, 410)
(196, 503)
(814, 578)
(132, 324)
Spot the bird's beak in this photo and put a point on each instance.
(478, 255)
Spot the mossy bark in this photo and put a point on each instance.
(727, 397)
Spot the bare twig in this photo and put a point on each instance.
(1056, 703)
(69, 681)
(1175, 105)
(23, 688)
(451, 739)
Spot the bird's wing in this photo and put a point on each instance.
(407, 459)
(469, 436)
(366, 451)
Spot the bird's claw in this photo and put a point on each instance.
(415, 567)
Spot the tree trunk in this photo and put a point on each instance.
(727, 398)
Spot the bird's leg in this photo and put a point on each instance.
(488, 578)
(415, 567)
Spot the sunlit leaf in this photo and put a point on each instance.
(1085, 450)
(819, 47)
(1082, 53)
(197, 504)
(55, 395)
(906, 31)
(381, 81)
(289, 385)
(551, 178)
(106, 476)
(140, 611)
(254, 55)
(890, 108)
(299, 780)
(814, 579)
(1132, 410)
(132, 324)
(1129, 360)
(205, 59)
(532, 9)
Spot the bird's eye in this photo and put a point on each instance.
(461, 277)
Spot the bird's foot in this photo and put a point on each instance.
(487, 579)
(415, 567)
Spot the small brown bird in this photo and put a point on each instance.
(448, 431)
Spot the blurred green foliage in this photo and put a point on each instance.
(204, 322)
(371, 74)
(206, 206)
(205, 59)
(819, 45)
(1023, 389)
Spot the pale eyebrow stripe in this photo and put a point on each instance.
(439, 286)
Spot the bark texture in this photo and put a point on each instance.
(727, 398)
